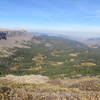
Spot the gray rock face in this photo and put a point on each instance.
(9, 40)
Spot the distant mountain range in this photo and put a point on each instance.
(95, 39)
(91, 42)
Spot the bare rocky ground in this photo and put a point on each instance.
(19, 40)
(15, 41)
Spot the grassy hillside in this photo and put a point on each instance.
(53, 57)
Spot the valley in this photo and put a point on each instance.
(48, 68)
(51, 56)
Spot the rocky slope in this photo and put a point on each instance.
(15, 38)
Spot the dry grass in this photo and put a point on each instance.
(73, 54)
(39, 60)
(56, 53)
(55, 63)
(56, 89)
(26, 79)
(72, 60)
(14, 68)
(88, 64)
(32, 68)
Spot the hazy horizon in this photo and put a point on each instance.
(76, 18)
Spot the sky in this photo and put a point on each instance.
(74, 17)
